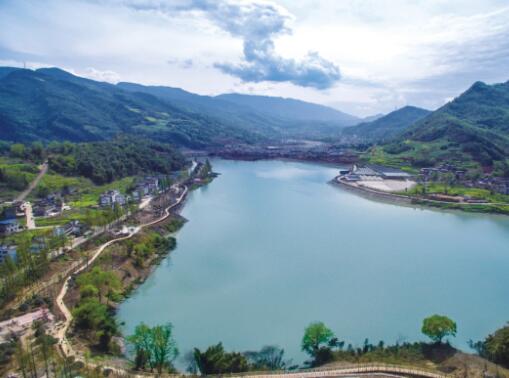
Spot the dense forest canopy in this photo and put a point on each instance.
(106, 161)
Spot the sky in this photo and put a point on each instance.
(363, 57)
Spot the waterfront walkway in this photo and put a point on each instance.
(61, 328)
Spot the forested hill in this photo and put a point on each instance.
(51, 104)
(388, 126)
(290, 109)
(268, 116)
(106, 161)
(471, 129)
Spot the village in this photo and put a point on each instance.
(148, 200)
(17, 217)
(377, 178)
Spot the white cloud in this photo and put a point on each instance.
(391, 53)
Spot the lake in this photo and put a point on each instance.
(270, 246)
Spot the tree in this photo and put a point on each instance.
(18, 150)
(216, 361)
(164, 348)
(316, 335)
(495, 347)
(141, 341)
(155, 346)
(268, 358)
(436, 327)
(105, 281)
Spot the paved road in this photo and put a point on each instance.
(24, 194)
(30, 221)
(59, 332)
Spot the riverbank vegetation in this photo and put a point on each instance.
(32, 262)
(326, 350)
(106, 161)
(94, 294)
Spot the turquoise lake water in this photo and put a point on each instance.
(270, 246)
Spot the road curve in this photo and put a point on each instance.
(60, 331)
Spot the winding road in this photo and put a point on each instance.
(43, 169)
(60, 329)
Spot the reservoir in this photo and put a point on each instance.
(270, 246)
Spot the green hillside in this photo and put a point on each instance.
(51, 104)
(387, 127)
(271, 117)
(470, 131)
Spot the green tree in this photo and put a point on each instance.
(141, 340)
(106, 282)
(164, 348)
(216, 361)
(496, 346)
(436, 327)
(315, 335)
(155, 346)
(18, 150)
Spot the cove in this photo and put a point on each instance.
(270, 246)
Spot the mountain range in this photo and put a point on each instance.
(386, 127)
(473, 129)
(52, 104)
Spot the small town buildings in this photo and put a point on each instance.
(149, 185)
(501, 185)
(9, 226)
(72, 228)
(112, 197)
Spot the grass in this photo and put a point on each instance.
(477, 193)
(420, 154)
(90, 193)
(471, 208)
(19, 236)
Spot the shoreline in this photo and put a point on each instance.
(414, 202)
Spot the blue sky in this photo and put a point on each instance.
(360, 56)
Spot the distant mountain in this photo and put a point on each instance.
(388, 126)
(268, 116)
(472, 129)
(222, 111)
(290, 109)
(51, 104)
(372, 117)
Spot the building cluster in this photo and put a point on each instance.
(430, 172)
(10, 250)
(72, 228)
(372, 173)
(49, 206)
(145, 187)
(149, 185)
(111, 198)
(8, 222)
(495, 184)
